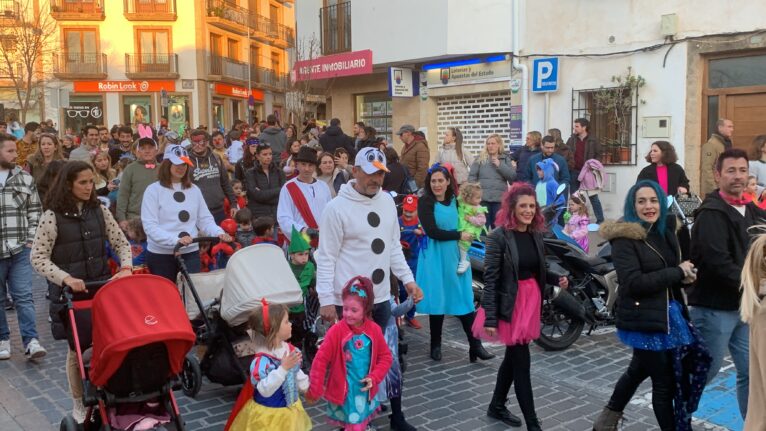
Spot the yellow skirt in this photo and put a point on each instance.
(255, 416)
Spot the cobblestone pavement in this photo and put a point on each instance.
(570, 387)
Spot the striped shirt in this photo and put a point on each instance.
(20, 211)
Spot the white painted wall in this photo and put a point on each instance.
(307, 19)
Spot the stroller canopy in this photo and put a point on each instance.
(255, 272)
(134, 311)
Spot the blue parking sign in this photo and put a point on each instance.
(545, 74)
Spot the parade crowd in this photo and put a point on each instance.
(376, 234)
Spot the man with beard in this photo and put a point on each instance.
(103, 138)
(720, 238)
(209, 174)
(360, 236)
(20, 211)
(27, 145)
(89, 144)
(124, 147)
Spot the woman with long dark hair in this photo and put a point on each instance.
(248, 159)
(445, 291)
(514, 276)
(651, 313)
(70, 248)
(173, 212)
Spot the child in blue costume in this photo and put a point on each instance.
(272, 401)
(352, 361)
(411, 235)
(471, 218)
(546, 187)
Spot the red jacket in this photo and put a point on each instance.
(241, 202)
(330, 358)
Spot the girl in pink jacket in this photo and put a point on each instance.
(356, 356)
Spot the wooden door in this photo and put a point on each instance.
(748, 112)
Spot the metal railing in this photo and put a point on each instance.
(270, 78)
(335, 28)
(227, 68)
(149, 7)
(10, 9)
(151, 63)
(77, 6)
(79, 63)
(258, 24)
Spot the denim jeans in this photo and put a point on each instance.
(17, 272)
(598, 211)
(492, 209)
(165, 265)
(719, 329)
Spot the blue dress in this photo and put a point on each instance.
(444, 290)
(357, 411)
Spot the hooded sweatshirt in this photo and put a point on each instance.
(275, 137)
(546, 187)
(359, 235)
(212, 179)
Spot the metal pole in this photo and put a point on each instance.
(249, 76)
(547, 111)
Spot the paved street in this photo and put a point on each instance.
(570, 387)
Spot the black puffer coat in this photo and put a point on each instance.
(648, 273)
(501, 274)
(263, 190)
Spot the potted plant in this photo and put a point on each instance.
(617, 103)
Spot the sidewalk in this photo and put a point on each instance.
(17, 413)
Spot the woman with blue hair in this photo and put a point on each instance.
(651, 315)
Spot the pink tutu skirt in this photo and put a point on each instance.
(525, 322)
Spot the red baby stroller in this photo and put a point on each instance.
(140, 335)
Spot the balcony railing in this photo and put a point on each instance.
(243, 21)
(150, 10)
(10, 10)
(269, 78)
(151, 65)
(79, 65)
(335, 25)
(227, 68)
(80, 10)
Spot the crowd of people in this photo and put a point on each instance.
(375, 233)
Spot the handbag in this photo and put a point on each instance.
(685, 206)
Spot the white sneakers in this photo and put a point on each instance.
(35, 350)
(5, 349)
(78, 410)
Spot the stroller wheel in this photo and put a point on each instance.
(191, 375)
(69, 424)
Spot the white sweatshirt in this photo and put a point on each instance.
(359, 235)
(317, 196)
(168, 214)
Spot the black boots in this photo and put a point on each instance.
(533, 424)
(477, 351)
(399, 424)
(436, 352)
(500, 412)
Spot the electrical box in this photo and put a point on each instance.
(656, 127)
(669, 25)
(609, 184)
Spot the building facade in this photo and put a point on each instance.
(699, 61)
(190, 62)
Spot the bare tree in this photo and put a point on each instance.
(27, 42)
(306, 90)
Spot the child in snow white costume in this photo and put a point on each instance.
(271, 401)
(356, 357)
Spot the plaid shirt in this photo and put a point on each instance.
(20, 211)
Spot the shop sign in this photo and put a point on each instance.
(123, 86)
(85, 111)
(333, 66)
(515, 125)
(239, 92)
(470, 74)
(402, 82)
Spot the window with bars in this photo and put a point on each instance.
(613, 117)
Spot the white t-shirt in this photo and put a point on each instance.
(4, 176)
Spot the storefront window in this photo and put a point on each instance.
(83, 110)
(375, 111)
(235, 110)
(136, 110)
(177, 113)
(217, 115)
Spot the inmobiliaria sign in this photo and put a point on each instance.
(333, 66)
(123, 86)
